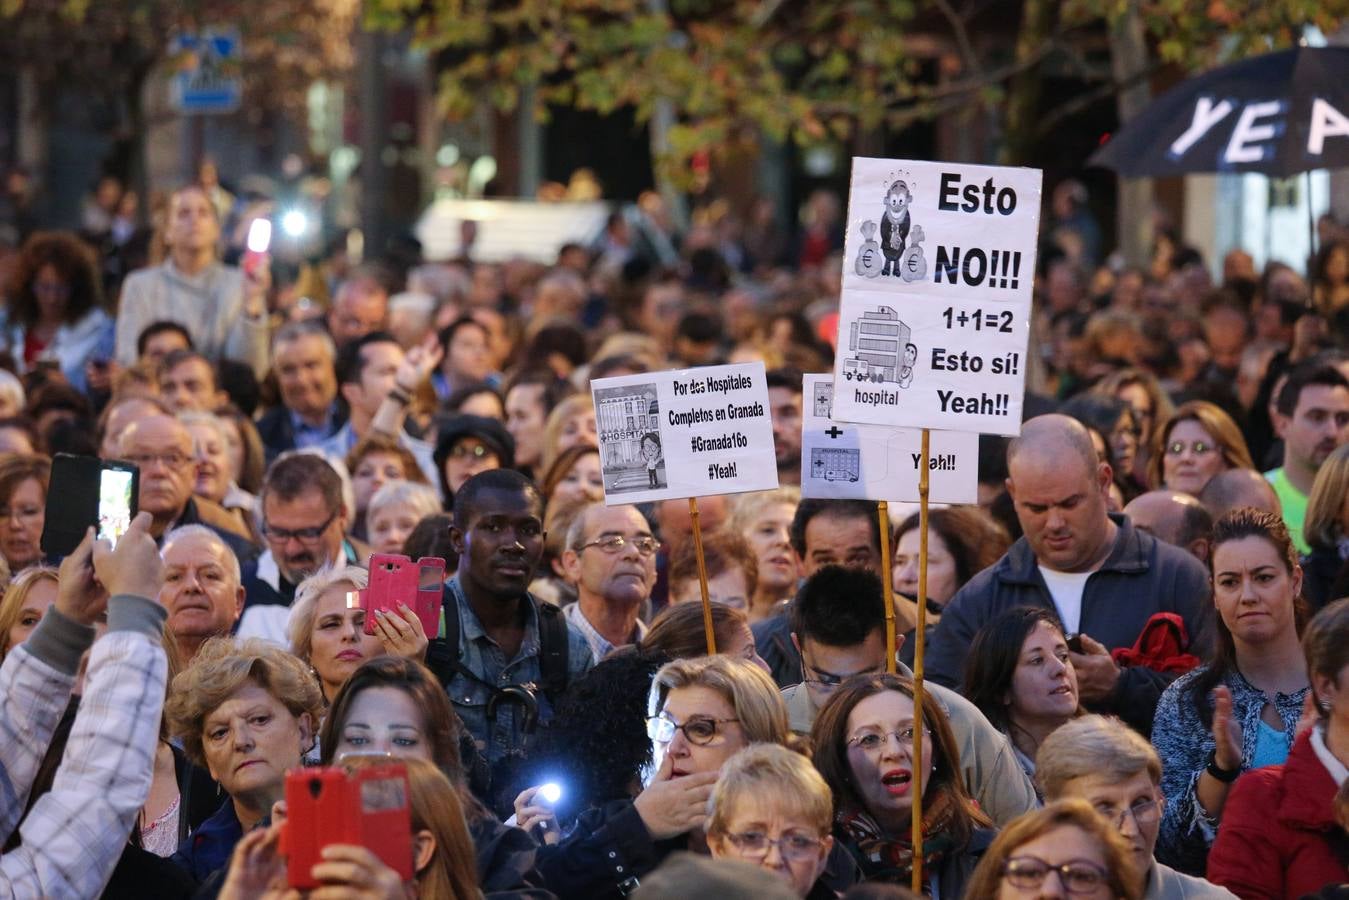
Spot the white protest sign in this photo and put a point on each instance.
(685, 433)
(937, 277)
(873, 462)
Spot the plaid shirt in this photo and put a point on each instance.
(74, 834)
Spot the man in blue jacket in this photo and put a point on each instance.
(1103, 577)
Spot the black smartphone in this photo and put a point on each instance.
(1075, 643)
(88, 491)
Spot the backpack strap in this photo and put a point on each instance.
(554, 649)
(442, 654)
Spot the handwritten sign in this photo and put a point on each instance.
(685, 433)
(937, 279)
(873, 462)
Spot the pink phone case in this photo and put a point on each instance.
(395, 579)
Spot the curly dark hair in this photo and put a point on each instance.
(596, 744)
(74, 262)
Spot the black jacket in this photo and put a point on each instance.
(1325, 576)
(609, 850)
(277, 433)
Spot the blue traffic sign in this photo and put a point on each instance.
(208, 72)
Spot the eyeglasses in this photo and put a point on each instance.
(825, 682)
(1198, 448)
(22, 513)
(304, 535)
(477, 451)
(872, 741)
(614, 543)
(700, 730)
(793, 847)
(1144, 812)
(170, 460)
(1077, 876)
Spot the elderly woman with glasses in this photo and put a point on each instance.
(700, 713)
(1065, 849)
(770, 807)
(863, 743)
(1114, 768)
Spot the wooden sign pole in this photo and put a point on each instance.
(702, 577)
(883, 514)
(920, 635)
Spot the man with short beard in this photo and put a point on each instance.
(304, 524)
(1312, 417)
(784, 405)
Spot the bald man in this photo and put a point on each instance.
(162, 448)
(1104, 578)
(1236, 488)
(1179, 519)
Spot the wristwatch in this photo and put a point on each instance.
(1226, 776)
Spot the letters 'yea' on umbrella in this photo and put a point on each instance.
(1277, 114)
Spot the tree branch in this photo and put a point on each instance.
(962, 36)
(1071, 107)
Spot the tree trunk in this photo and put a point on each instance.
(1023, 93)
(1129, 57)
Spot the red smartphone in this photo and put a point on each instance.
(395, 579)
(368, 807)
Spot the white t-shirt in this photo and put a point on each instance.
(1066, 589)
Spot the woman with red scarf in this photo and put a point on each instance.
(863, 746)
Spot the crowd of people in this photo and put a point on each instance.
(1136, 636)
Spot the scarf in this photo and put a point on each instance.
(890, 858)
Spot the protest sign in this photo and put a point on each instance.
(937, 278)
(685, 433)
(841, 461)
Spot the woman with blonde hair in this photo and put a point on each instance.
(765, 519)
(570, 423)
(1069, 840)
(771, 798)
(25, 601)
(1325, 571)
(700, 713)
(326, 627)
(1196, 443)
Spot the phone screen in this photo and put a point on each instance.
(114, 503)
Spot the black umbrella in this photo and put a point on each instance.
(1277, 114)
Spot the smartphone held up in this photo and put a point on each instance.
(87, 491)
(396, 580)
(368, 807)
(258, 242)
